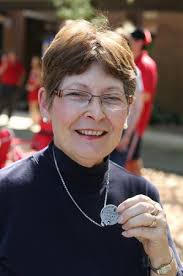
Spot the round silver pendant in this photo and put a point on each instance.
(109, 215)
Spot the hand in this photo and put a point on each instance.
(144, 219)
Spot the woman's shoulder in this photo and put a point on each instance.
(132, 184)
(21, 172)
(16, 172)
(21, 181)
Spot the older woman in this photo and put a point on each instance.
(67, 210)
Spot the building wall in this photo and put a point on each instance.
(14, 33)
(168, 52)
(115, 18)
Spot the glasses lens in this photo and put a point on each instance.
(114, 101)
(77, 96)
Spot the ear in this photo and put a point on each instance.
(43, 104)
(126, 123)
(130, 100)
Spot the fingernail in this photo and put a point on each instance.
(120, 208)
(124, 227)
(124, 233)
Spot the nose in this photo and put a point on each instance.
(95, 109)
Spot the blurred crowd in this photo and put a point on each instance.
(12, 77)
(12, 82)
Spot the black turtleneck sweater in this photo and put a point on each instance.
(42, 233)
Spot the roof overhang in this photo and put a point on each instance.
(159, 5)
(25, 4)
(116, 5)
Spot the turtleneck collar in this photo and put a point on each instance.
(77, 177)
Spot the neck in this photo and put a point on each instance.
(137, 53)
(83, 161)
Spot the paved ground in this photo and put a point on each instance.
(163, 158)
(170, 187)
(163, 150)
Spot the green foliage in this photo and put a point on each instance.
(100, 20)
(74, 9)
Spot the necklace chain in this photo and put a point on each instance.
(71, 197)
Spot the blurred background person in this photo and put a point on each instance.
(32, 87)
(5, 145)
(139, 39)
(11, 81)
(44, 136)
(3, 64)
(119, 155)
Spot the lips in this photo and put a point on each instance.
(90, 132)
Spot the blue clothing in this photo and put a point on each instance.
(42, 233)
(120, 157)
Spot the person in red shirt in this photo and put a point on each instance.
(3, 65)
(43, 137)
(11, 80)
(32, 86)
(5, 145)
(139, 39)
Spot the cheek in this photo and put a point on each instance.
(117, 121)
(63, 116)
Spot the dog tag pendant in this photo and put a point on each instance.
(109, 215)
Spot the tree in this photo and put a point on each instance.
(74, 9)
(78, 9)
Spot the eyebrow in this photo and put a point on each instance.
(77, 84)
(87, 87)
(114, 88)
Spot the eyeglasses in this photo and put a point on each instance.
(83, 98)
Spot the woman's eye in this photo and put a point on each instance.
(73, 94)
(78, 96)
(112, 98)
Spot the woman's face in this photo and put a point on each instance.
(136, 46)
(86, 134)
(35, 62)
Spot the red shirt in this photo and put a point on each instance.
(12, 74)
(0, 68)
(149, 73)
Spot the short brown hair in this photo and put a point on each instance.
(80, 43)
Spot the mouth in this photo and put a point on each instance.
(91, 133)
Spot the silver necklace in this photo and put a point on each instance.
(108, 214)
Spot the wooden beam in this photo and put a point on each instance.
(160, 5)
(116, 5)
(25, 4)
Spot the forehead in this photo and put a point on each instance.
(94, 78)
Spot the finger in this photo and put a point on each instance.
(148, 233)
(141, 220)
(135, 210)
(156, 231)
(134, 200)
(157, 208)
